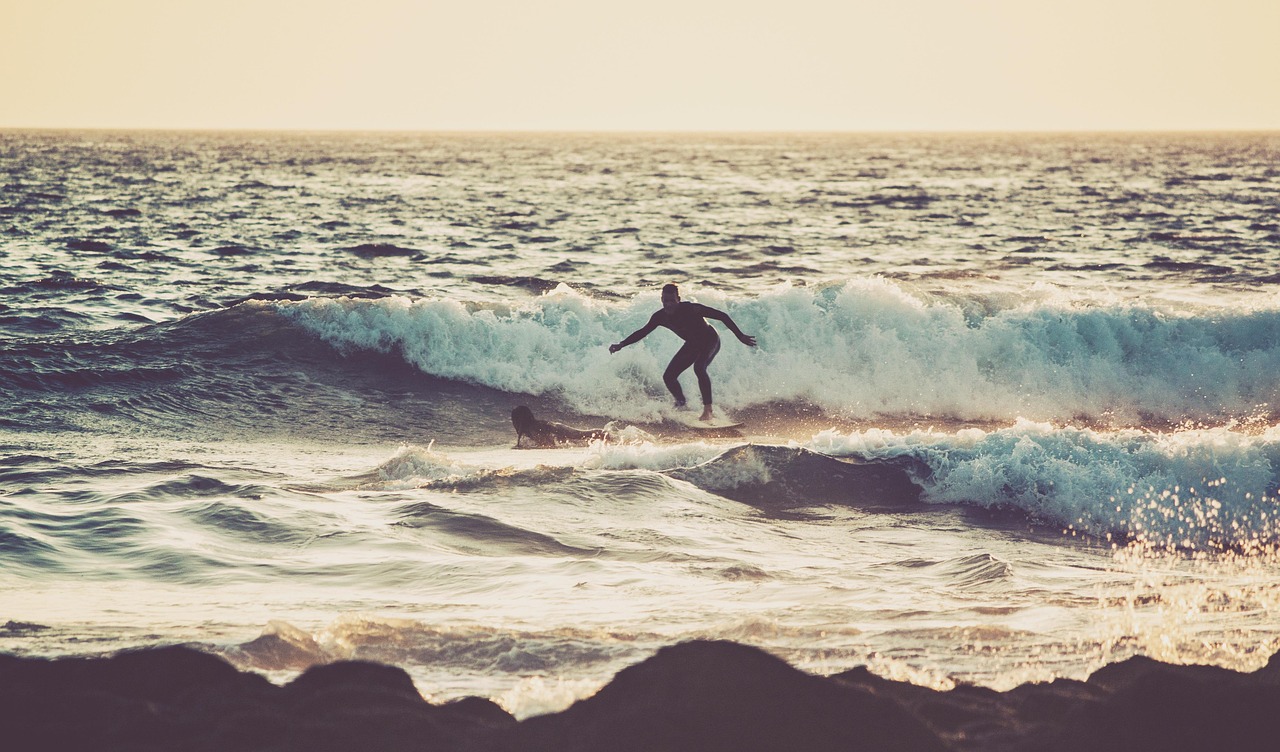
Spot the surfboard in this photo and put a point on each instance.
(690, 419)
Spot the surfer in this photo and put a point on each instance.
(547, 433)
(701, 343)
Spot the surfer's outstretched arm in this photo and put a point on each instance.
(638, 334)
(721, 316)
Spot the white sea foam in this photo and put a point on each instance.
(866, 348)
(648, 456)
(411, 466)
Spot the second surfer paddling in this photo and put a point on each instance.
(701, 343)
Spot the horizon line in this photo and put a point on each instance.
(643, 131)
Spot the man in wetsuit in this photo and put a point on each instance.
(701, 343)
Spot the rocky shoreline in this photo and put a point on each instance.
(702, 695)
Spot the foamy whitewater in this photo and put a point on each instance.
(257, 393)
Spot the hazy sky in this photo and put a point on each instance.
(651, 65)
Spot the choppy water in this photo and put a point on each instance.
(257, 388)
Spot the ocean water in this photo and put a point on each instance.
(256, 392)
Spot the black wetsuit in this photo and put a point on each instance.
(701, 343)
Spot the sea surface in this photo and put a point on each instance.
(255, 396)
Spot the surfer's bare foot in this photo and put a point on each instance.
(706, 413)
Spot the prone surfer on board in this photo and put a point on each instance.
(701, 343)
(547, 433)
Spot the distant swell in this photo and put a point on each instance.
(777, 476)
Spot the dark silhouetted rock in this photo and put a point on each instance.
(703, 696)
(178, 698)
(134, 698)
(1153, 705)
(724, 696)
(360, 705)
(353, 676)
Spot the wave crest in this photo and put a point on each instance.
(859, 350)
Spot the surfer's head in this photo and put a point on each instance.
(670, 295)
(523, 421)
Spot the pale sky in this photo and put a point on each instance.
(685, 65)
